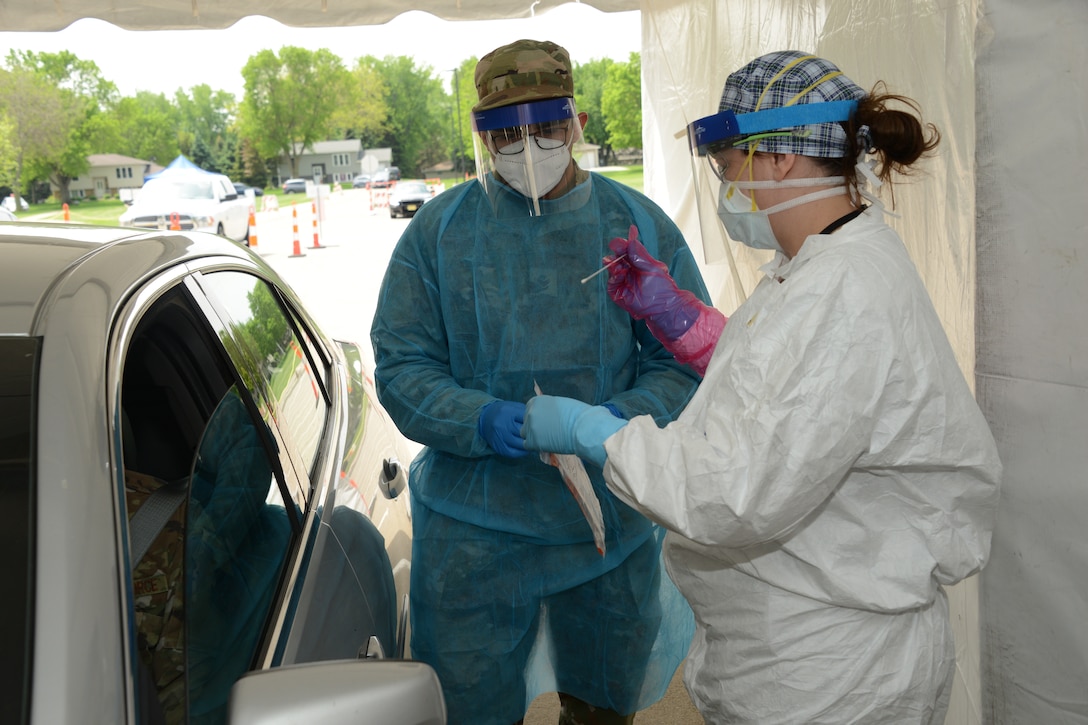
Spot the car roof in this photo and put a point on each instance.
(39, 261)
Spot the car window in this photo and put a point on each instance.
(18, 373)
(237, 535)
(282, 361)
(205, 571)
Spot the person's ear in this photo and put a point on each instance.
(583, 118)
(782, 165)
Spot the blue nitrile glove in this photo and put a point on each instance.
(643, 287)
(565, 425)
(500, 425)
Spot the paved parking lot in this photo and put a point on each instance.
(339, 283)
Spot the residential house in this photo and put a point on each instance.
(108, 175)
(331, 160)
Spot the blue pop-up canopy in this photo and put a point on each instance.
(179, 164)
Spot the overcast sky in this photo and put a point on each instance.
(163, 61)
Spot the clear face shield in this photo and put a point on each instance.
(523, 154)
(724, 199)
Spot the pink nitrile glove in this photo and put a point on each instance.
(643, 287)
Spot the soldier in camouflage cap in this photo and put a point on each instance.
(482, 298)
(526, 92)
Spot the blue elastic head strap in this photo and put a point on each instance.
(728, 125)
(523, 114)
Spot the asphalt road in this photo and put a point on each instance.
(338, 280)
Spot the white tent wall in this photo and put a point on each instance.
(1033, 355)
(923, 49)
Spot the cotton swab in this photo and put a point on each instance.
(586, 279)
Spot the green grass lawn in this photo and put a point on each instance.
(91, 211)
(629, 175)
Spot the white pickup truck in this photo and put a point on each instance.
(191, 200)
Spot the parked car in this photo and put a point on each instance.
(201, 493)
(385, 177)
(294, 186)
(190, 201)
(407, 197)
(9, 203)
(241, 189)
(360, 181)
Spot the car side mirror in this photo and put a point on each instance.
(230, 197)
(338, 693)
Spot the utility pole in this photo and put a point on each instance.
(457, 94)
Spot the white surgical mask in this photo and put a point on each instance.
(548, 169)
(751, 226)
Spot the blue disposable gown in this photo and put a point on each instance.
(476, 306)
(831, 473)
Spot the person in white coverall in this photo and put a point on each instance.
(833, 471)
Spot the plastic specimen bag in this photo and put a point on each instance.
(574, 475)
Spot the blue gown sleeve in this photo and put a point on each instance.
(412, 372)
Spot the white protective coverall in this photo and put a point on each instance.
(831, 472)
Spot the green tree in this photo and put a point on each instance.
(206, 133)
(362, 112)
(291, 100)
(621, 104)
(147, 125)
(41, 117)
(7, 152)
(251, 167)
(589, 82)
(418, 114)
(86, 95)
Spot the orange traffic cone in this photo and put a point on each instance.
(175, 221)
(297, 251)
(252, 228)
(67, 213)
(313, 211)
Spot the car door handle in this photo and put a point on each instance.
(393, 479)
(373, 651)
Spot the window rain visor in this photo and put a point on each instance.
(523, 152)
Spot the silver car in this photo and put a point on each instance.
(199, 494)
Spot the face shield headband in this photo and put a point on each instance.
(526, 147)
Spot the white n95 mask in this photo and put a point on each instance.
(547, 167)
(743, 222)
(752, 226)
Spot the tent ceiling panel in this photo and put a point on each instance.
(36, 15)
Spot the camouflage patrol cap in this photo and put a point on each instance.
(525, 70)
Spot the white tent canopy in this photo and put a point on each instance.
(19, 15)
(997, 226)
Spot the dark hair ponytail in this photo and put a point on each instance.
(896, 137)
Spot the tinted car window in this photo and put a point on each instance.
(196, 447)
(18, 371)
(270, 347)
(236, 538)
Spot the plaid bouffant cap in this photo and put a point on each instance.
(525, 70)
(787, 78)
